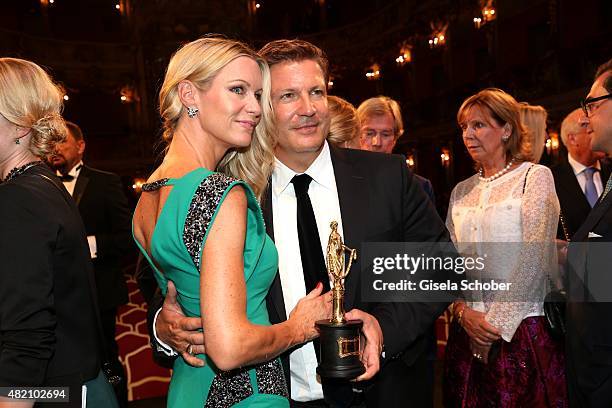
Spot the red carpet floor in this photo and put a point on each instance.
(145, 378)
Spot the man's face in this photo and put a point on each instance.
(600, 118)
(299, 97)
(67, 154)
(377, 133)
(581, 145)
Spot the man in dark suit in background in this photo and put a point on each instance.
(374, 198)
(381, 126)
(589, 307)
(106, 215)
(580, 180)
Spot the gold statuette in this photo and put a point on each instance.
(340, 339)
(338, 270)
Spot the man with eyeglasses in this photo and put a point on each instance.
(589, 283)
(381, 127)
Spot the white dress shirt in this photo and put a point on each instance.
(74, 172)
(581, 177)
(70, 185)
(305, 385)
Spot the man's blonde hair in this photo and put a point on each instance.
(379, 106)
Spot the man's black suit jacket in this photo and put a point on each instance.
(48, 319)
(589, 331)
(106, 215)
(574, 205)
(380, 201)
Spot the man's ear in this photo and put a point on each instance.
(187, 93)
(81, 146)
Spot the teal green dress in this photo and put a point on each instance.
(176, 249)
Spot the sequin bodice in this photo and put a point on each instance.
(176, 248)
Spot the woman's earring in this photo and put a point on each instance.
(191, 111)
(505, 138)
(17, 141)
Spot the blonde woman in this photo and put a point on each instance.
(344, 126)
(534, 119)
(499, 352)
(48, 322)
(201, 227)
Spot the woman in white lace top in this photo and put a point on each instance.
(499, 351)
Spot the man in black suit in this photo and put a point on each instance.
(381, 126)
(589, 307)
(374, 198)
(580, 180)
(106, 215)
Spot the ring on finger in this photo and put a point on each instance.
(190, 350)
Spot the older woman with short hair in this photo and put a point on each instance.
(499, 351)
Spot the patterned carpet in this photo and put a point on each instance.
(145, 378)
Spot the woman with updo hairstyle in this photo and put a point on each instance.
(48, 317)
(500, 352)
(199, 224)
(344, 126)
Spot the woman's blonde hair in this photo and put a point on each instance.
(534, 119)
(344, 126)
(31, 100)
(503, 109)
(199, 62)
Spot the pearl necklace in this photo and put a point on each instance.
(496, 175)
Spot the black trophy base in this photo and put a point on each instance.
(339, 349)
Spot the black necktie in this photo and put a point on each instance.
(311, 253)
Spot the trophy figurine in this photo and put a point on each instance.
(339, 341)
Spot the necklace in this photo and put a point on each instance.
(496, 175)
(20, 170)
